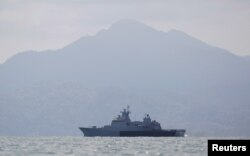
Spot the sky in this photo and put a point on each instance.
(52, 24)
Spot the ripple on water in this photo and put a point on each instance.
(102, 146)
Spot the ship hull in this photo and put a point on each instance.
(92, 132)
(153, 133)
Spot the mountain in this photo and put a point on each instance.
(181, 81)
(247, 57)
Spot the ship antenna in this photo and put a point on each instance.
(128, 108)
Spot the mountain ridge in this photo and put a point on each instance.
(176, 78)
(135, 25)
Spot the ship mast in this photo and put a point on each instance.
(128, 109)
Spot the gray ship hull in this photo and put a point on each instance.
(122, 126)
(91, 132)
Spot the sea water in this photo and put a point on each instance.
(101, 146)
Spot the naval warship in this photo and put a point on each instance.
(122, 126)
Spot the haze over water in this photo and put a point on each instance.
(195, 146)
(70, 64)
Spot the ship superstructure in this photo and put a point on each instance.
(123, 126)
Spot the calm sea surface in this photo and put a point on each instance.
(193, 146)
